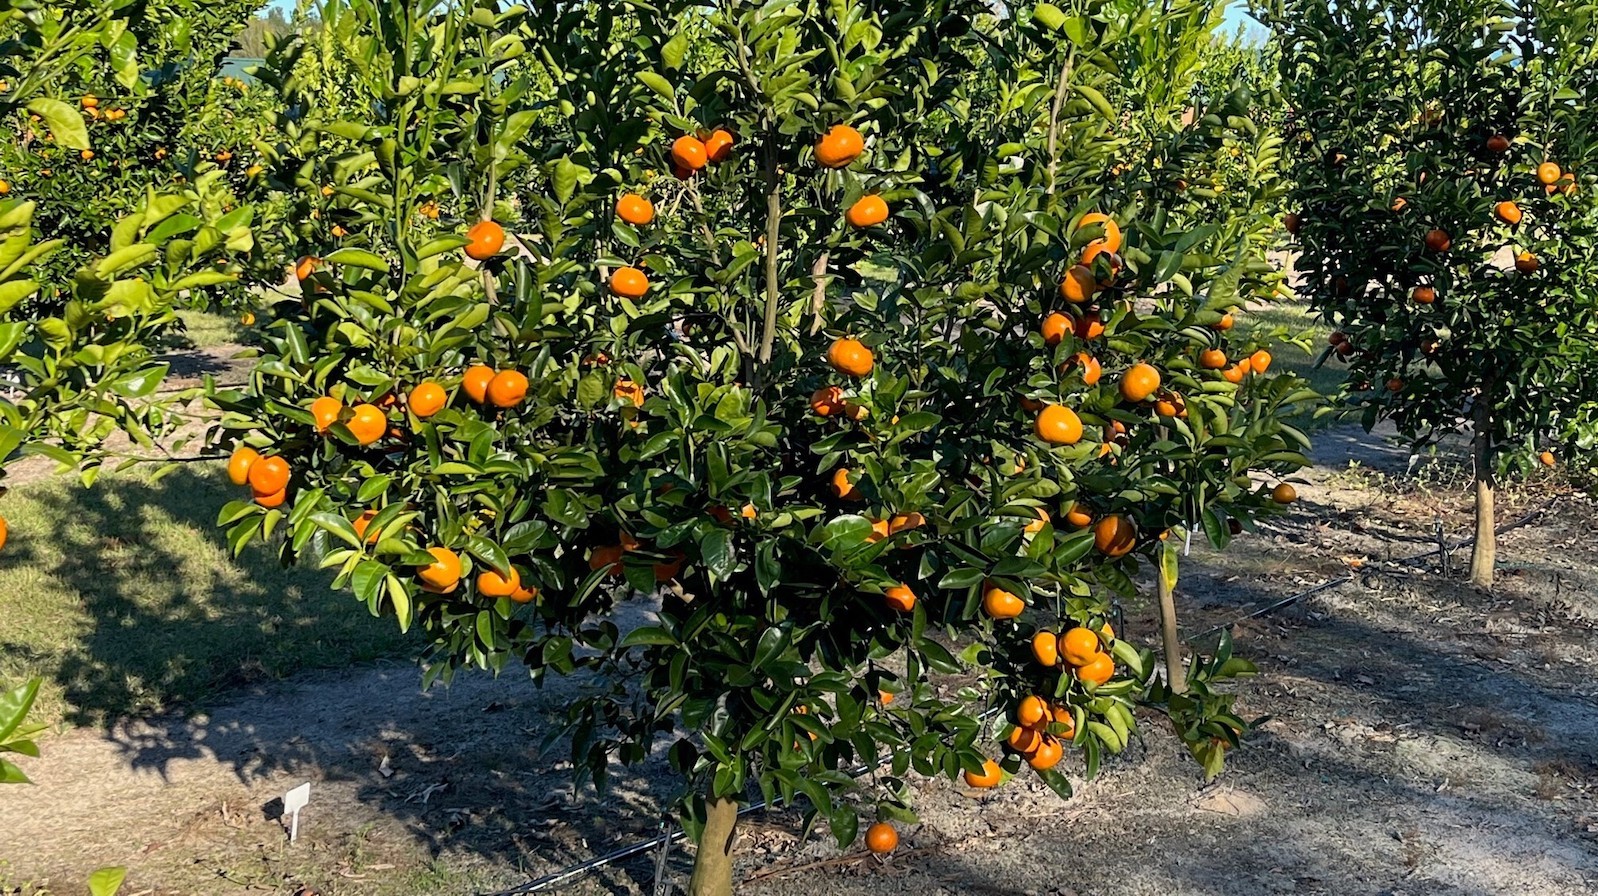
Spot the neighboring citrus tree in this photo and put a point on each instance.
(828, 349)
(1443, 211)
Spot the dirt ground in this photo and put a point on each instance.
(1422, 738)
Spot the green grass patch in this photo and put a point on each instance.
(124, 598)
(205, 329)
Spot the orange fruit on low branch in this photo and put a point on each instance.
(1080, 646)
(843, 488)
(1549, 173)
(1048, 754)
(368, 423)
(239, 463)
(1001, 604)
(1547, 459)
(1089, 327)
(1115, 535)
(1260, 361)
(475, 382)
(1498, 143)
(635, 209)
(1090, 367)
(1059, 425)
(1112, 232)
(306, 266)
(1212, 359)
(1054, 328)
(1226, 322)
(427, 399)
(507, 389)
(629, 283)
(1078, 517)
(882, 838)
(905, 522)
(1046, 648)
(1284, 493)
(443, 574)
(363, 522)
(1098, 671)
(325, 411)
(606, 557)
(1526, 263)
(1032, 711)
(1023, 739)
(269, 475)
(275, 499)
(1438, 240)
(990, 777)
(826, 401)
(839, 147)
(1508, 212)
(628, 391)
(900, 598)
(492, 583)
(1236, 373)
(487, 238)
(1078, 285)
(689, 152)
(868, 211)
(850, 357)
(1423, 295)
(1139, 382)
(718, 146)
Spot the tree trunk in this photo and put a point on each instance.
(713, 862)
(1174, 674)
(1484, 555)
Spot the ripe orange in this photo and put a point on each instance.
(990, 777)
(1059, 425)
(635, 209)
(275, 499)
(842, 488)
(904, 522)
(1035, 526)
(839, 147)
(826, 401)
(1546, 459)
(269, 475)
(238, 465)
(1092, 370)
(1508, 212)
(868, 211)
(1423, 295)
(1260, 361)
(1284, 494)
(427, 399)
(1169, 404)
(900, 598)
(606, 557)
(1399, 204)
(361, 523)
(1225, 323)
(368, 424)
(629, 283)
(487, 238)
(879, 530)
(882, 838)
(443, 574)
(1047, 755)
(1212, 359)
(1001, 604)
(1046, 648)
(1078, 517)
(1498, 143)
(1098, 671)
(850, 357)
(90, 101)
(325, 411)
(1115, 535)
(507, 389)
(1112, 232)
(1080, 646)
(1438, 240)
(629, 392)
(1064, 717)
(4, 532)
(1032, 711)
(476, 381)
(306, 266)
(1139, 382)
(1526, 263)
(1078, 284)
(1054, 328)
(689, 152)
(1089, 327)
(524, 595)
(718, 146)
(490, 583)
(1235, 373)
(1023, 739)
(1548, 173)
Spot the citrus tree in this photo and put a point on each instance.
(1443, 221)
(826, 352)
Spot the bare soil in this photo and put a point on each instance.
(1422, 737)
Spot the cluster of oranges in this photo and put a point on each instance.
(690, 153)
(443, 576)
(1040, 732)
(1081, 649)
(93, 108)
(609, 558)
(267, 477)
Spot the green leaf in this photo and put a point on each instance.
(359, 258)
(14, 706)
(1096, 99)
(107, 881)
(1049, 16)
(648, 635)
(63, 121)
(659, 85)
(675, 50)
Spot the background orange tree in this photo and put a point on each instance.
(1443, 210)
(769, 362)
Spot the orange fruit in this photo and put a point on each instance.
(1092, 370)
(1059, 425)
(4, 532)
(1078, 517)
(839, 147)
(361, 523)
(1548, 173)
(666, 570)
(1112, 231)
(1115, 535)
(507, 389)
(1508, 212)
(524, 595)
(689, 152)
(1526, 263)
(882, 838)
(306, 266)
(1047, 755)
(1032, 711)
(879, 531)
(826, 401)
(487, 238)
(275, 499)
(1423, 295)
(1546, 459)
(1139, 382)
(1064, 717)
(718, 146)
(90, 101)
(368, 424)
(1498, 143)
(629, 392)
(1169, 404)
(1284, 494)
(900, 598)
(1054, 328)
(1079, 646)
(1035, 526)
(1399, 204)
(443, 574)
(269, 475)
(1023, 740)
(850, 357)
(868, 211)
(842, 488)
(1212, 359)
(904, 522)
(490, 583)
(629, 283)
(1001, 604)
(1108, 631)
(635, 209)
(608, 558)
(427, 399)
(1438, 240)
(1225, 323)
(1089, 328)
(1046, 648)
(325, 411)
(1235, 373)
(990, 777)
(1260, 361)
(476, 381)
(1078, 284)
(1100, 670)
(238, 465)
